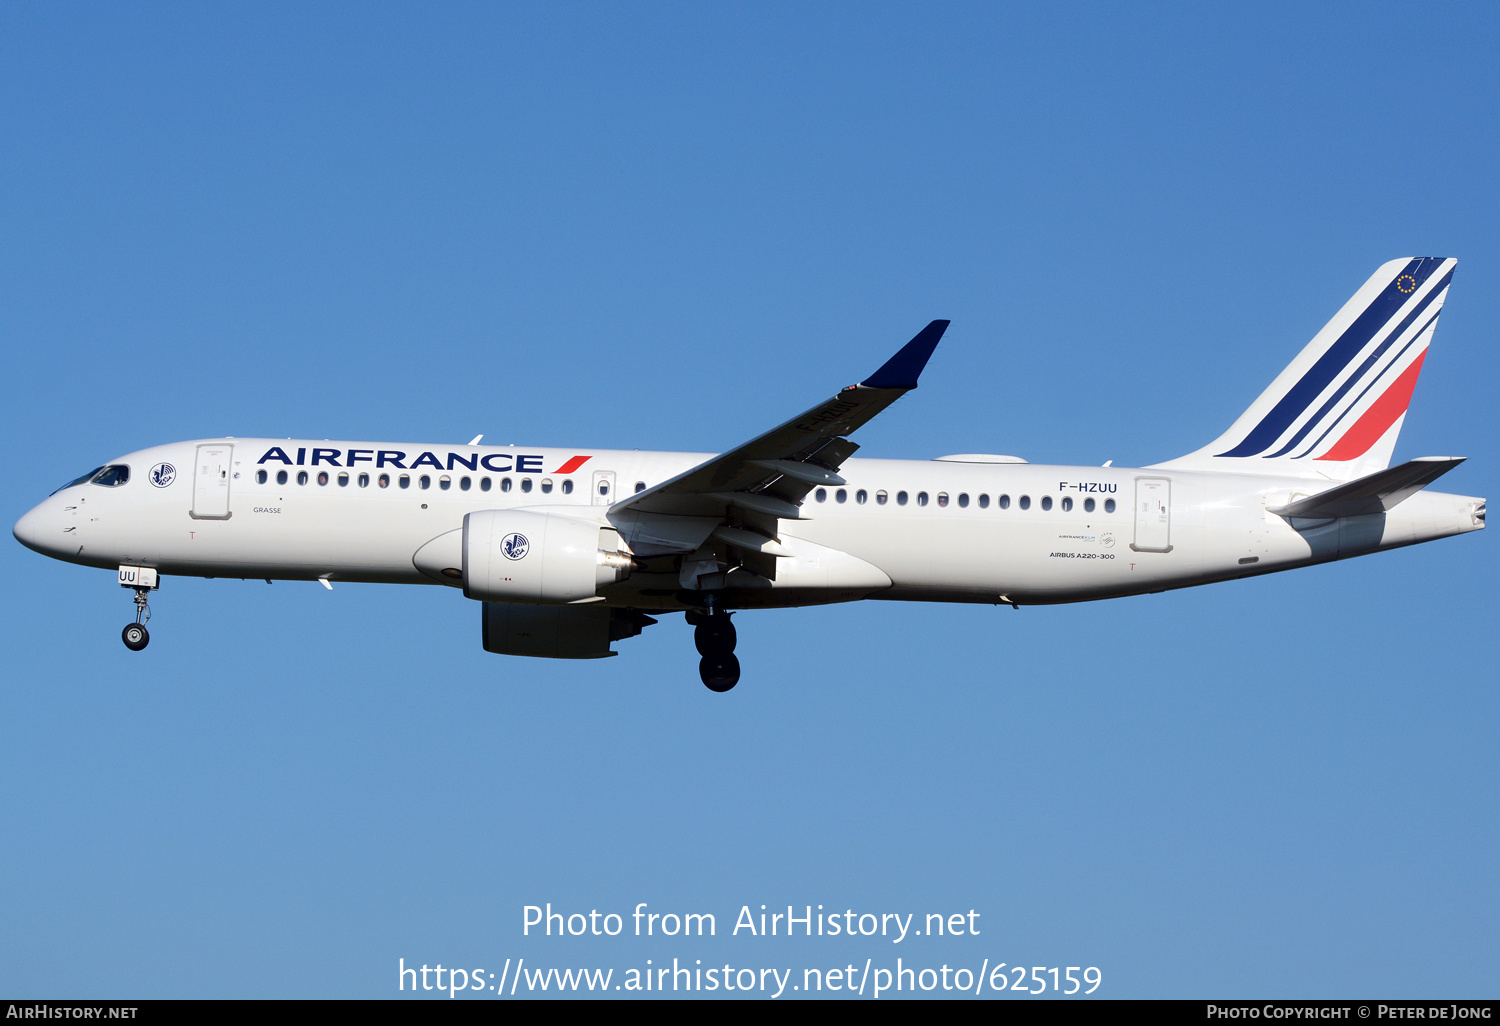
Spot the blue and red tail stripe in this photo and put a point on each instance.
(1377, 420)
(1333, 426)
(1338, 357)
(1364, 368)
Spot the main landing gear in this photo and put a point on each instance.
(143, 581)
(714, 635)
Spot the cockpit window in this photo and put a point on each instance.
(80, 480)
(110, 476)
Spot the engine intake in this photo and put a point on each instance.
(516, 555)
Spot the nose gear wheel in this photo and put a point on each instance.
(135, 636)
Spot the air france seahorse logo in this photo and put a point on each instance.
(515, 546)
(163, 474)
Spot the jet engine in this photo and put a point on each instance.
(558, 632)
(517, 555)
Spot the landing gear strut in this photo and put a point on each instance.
(141, 580)
(715, 637)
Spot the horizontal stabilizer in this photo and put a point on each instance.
(1376, 493)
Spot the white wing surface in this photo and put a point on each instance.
(741, 495)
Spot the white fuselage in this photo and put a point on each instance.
(965, 532)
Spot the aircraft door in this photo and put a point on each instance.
(211, 482)
(604, 488)
(1153, 514)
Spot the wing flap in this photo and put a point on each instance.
(652, 534)
(807, 473)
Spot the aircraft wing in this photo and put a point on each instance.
(742, 494)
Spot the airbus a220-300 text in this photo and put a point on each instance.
(569, 551)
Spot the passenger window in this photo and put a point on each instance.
(901, 498)
(404, 480)
(384, 480)
(546, 485)
(322, 477)
(444, 483)
(640, 486)
(821, 494)
(1067, 504)
(343, 480)
(302, 477)
(881, 497)
(1046, 502)
(860, 496)
(842, 495)
(1024, 502)
(464, 484)
(525, 484)
(505, 484)
(603, 487)
(984, 502)
(921, 498)
(1088, 505)
(963, 500)
(364, 480)
(942, 498)
(424, 481)
(281, 477)
(1003, 502)
(260, 477)
(484, 484)
(567, 487)
(1109, 505)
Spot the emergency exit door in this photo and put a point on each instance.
(211, 482)
(1153, 515)
(604, 487)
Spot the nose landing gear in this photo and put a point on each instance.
(715, 637)
(142, 580)
(135, 636)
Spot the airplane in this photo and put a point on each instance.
(569, 551)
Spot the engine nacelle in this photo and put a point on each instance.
(558, 632)
(517, 555)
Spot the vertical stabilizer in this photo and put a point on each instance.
(1336, 410)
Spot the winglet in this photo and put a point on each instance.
(901, 370)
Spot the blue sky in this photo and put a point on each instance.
(667, 226)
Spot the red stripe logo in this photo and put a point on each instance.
(572, 465)
(1378, 419)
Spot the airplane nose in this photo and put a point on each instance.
(31, 531)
